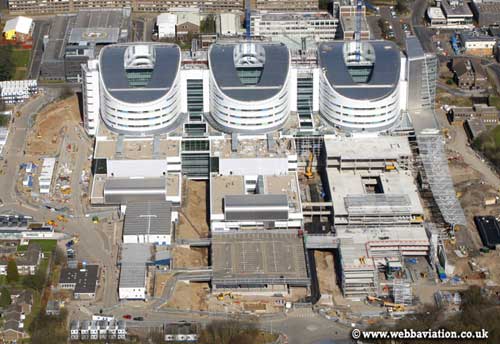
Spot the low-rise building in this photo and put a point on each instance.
(436, 17)
(291, 27)
(188, 22)
(457, 13)
(252, 262)
(486, 12)
(133, 271)
(347, 18)
(228, 24)
(106, 329)
(474, 127)
(53, 307)
(490, 115)
(166, 23)
(83, 281)
(477, 44)
(469, 74)
(27, 262)
(148, 223)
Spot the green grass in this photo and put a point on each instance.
(494, 101)
(20, 57)
(19, 74)
(46, 245)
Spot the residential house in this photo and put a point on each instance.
(469, 74)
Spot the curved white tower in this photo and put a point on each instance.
(249, 86)
(360, 94)
(140, 87)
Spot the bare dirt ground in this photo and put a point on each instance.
(325, 271)
(190, 296)
(160, 281)
(48, 130)
(185, 257)
(193, 215)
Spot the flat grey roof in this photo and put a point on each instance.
(85, 279)
(414, 49)
(273, 77)
(258, 256)
(262, 200)
(132, 276)
(136, 254)
(151, 217)
(99, 26)
(384, 77)
(114, 76)
(123, 190)
(368, 148)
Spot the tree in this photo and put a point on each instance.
(6, 66)
(207, 25)
(36, 281)
(5, 299)
(12, 273)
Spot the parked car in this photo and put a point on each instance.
(138, 318)
(127, 316)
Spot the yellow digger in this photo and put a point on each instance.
(309, 172)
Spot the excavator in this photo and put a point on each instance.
(221, 296)
(391, 306)
(309, 172)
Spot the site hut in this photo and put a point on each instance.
(148, 222)
(133, 271)
(252, 262)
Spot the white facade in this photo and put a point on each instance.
(142, 117)
(15, 91)
(320, 26)
(248, 115)
(128, 168)
(228, 24)
(166, 23)
(137, 293)
(352, 114)
(144, 238)
(90, 93)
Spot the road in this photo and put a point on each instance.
(459, 144)
(101, 251)
(41, 29)
(460, 93)
(422, 32)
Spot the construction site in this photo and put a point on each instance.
(56, 163)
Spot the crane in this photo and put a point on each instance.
(309, 172)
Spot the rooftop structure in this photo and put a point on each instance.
(254, 260)
(271, 201)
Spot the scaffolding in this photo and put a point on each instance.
(435, 164)
(401, 291)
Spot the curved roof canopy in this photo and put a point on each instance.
(381, 57)
(118, 68)
(267, 62)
